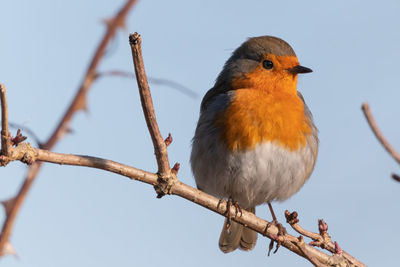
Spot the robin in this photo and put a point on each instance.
(255, 140)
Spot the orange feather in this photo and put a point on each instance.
(265, 107)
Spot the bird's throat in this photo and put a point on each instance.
(258, 116)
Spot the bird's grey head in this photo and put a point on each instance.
(247, 56)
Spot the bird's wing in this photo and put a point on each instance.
(213, 92)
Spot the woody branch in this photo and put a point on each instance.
(293, 243)
(5, 140)
(381, 138)
(78, 103)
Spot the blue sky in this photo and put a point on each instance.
(83, 217)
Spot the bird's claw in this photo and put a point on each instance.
(281, 232)
(229, 204)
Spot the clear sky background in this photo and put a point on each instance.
(77, 216)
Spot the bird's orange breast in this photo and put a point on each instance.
(257, 116)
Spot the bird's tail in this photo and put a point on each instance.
(237, 236)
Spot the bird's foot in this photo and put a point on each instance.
(229, 215)
(281, 233)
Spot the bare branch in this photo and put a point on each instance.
(322, 240)
(191, 194)
(161, 81)
(160, 149)
(291, 218)
(9, 221)
(77, 104)
(375, 129)
(5, 135)
(79, 101)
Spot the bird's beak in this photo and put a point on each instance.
(299, 69)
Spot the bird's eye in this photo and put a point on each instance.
(267, 64)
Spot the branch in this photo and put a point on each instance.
(160, 149)
(79, 101)
(5, 135)
(379, 135)
(77, 104)
(24, 150)
(172, 84)
(322, 240)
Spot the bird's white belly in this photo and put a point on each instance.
(250, 177)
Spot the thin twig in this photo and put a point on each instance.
(322, 240)
(292, 219)
(375, 129)
(77, 104)
(160, 149)
(161, 81)
(5, 135)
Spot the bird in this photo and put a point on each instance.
(255, 140)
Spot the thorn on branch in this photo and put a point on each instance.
(8, 205)
(8, 250)
(168, 140)
(19, 138)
